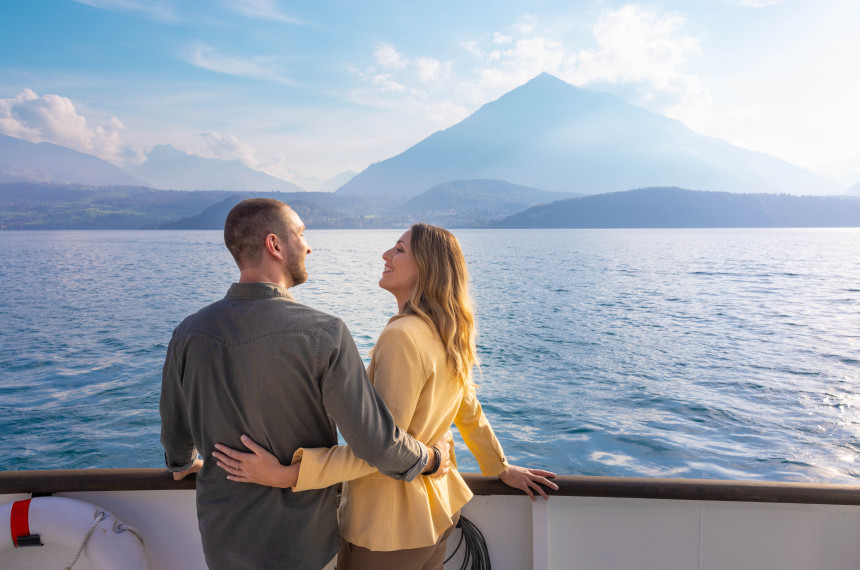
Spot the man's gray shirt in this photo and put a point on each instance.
(260, 364)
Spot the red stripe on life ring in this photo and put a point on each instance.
(19, 522)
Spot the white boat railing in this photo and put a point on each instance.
(589, 523)
(43, 482)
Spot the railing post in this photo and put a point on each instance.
(540, 535)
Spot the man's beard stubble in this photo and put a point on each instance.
(297, 270)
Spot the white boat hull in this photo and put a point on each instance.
(567, 532)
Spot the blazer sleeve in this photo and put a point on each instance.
(325, 466)
(399, 377)
(479, 436)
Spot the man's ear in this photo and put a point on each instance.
(274, 246)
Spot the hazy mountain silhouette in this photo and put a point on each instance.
(551, 135)
(27, 205)
(464, 202)
(679, 208)
(313, 214)
(329, 185)
(23, 161)
(169, 168)
(215, 215)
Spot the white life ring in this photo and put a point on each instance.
(66, 522)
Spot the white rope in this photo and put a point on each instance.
(122, 527)
(99, 517)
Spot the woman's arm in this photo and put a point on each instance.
(479, 435)
(322, 466)
(326, 466)
(485, 446)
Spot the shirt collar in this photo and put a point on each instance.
(248, 291)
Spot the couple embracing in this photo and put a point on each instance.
(259, 384)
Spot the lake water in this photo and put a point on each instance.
(727, 354)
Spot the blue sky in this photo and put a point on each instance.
(310, 89)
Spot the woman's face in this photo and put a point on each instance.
(400, 272)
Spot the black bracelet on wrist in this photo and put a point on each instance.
(437, 462)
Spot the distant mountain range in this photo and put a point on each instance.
(213, 217)
(317, 210)
(546, 135)
(678, 208)
(167, 167)
(23, 161)
(551, 135)
(546, 154)
(26, 205)
(330, 185)
(466, 202)
(462, 204)
(78, 207)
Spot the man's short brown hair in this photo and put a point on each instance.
(248, 224)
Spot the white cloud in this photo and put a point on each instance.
(159, 10)
(632, 47)
(526, 24)
(642, 52)
(636, 46)
(413, 85)
(226, 148)
(264, 68)
(54, 119)
(386, 83)
(262, 9)
(430, 69)
(212, 144)
(473, 48)
(388, 57)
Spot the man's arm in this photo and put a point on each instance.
(361, 415)
(179, 451)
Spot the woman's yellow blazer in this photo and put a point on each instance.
(409, 369)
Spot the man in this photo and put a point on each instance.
(260, 364)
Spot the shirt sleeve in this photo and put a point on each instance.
(479, 436)
(360, 412)
(399, 377)
(179, 450)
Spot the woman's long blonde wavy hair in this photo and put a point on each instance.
(441, 296)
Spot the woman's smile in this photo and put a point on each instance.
(399, 272)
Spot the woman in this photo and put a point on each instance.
(421, 366)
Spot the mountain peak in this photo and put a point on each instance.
(549, 89)
(551, 135)
(165, 150)
(545, 78)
